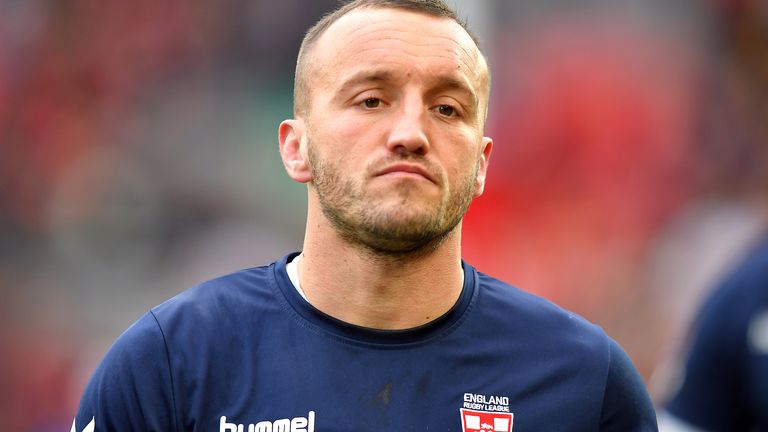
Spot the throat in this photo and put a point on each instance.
(379, 297)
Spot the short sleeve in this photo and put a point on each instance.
(131, 388)
(626, 404)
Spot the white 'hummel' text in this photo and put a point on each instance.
(297, 424)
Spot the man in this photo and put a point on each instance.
(724, 387)
(377, 324)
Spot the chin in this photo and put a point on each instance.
(408, 215)
(407, 226)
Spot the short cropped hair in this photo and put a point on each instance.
(435, 8)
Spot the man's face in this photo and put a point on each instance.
(394, 127)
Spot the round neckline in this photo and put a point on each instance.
(314, 319)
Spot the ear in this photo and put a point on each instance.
(482, 168)
(292, 136)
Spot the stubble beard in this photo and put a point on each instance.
(398, 232)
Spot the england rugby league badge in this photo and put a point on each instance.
(482, 413)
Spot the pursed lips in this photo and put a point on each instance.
(407, 169)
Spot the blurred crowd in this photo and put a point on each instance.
(138, 156)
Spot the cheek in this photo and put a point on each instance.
(333, 156)
(348, 143)
(461, 155)
(343, 133)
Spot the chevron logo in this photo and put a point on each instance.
(89, 428)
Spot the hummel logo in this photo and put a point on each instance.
(89, 428)
(296, 424)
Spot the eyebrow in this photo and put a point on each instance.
(451, 83)
(441, 83)
(362, 77)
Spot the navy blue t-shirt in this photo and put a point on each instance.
(725, 384)
(246, 353)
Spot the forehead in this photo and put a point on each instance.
(403, 40)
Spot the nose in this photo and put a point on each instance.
(408, 134)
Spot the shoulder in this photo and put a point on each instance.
(136, 384)
(188, 313)
(559, 342)
(139, 344)
(131, 387)
(219, 300)
(515, 308)
(727, 314)
(745, 283)
(533, 328)
(626, 403)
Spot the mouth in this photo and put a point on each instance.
(406, 170)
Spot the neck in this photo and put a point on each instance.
(376, 290)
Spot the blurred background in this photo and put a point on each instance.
(138, 156)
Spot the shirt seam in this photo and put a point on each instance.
(170, 370)
(605, 385)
